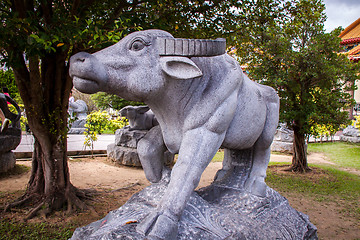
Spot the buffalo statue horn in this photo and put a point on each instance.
(191, 47)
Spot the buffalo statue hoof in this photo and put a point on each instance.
(256, 186)
(158, 226)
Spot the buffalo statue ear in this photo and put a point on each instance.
(142, 109)
(180, 67)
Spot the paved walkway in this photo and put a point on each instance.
(75, 144)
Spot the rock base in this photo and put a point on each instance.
(231, 215)
(77, 127)
(223, 210)
(7, 161)
(76, 130)
(128, 156)
(350, 134)
(123, 155)
(124, 152)
(283, 147)
(9, 140)
(351, 139)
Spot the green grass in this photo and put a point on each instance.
(324, 180)
(342, 153)
(17, 170)
(324, 183)
(10, 230)
(107, 131)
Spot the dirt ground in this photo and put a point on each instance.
(115, 185)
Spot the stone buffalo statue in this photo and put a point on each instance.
(202, 101)
(140, 117)
(80, 108)
(7, 114)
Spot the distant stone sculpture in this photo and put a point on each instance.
(202, 101)
(10, 135)
(350, 134)
(125, 149)
(79, 108)
(283, 140)
(140, 117)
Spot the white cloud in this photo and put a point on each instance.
(341, 13)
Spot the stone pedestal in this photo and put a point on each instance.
(9, 140)
(78, 127)
(7, 161)
(283, 140)
(223, 210)
(124, 152)
(350, 134)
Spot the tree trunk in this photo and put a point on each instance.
(299, 159)
(45, 87)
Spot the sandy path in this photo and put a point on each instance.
(95, 173)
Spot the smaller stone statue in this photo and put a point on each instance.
(140, 117)
(10, 135)
(79, 108)
(132, 143)
(350, 134)
(283, 139)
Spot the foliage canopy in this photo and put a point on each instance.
(38, 37)
(292, 53)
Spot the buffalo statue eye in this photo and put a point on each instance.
(137, 45)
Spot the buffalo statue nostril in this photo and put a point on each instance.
(80, 57)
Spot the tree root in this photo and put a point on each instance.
(35, 210)
(17, 203)
(296, 169)
(44, 205)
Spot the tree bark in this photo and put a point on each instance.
(45, 87)
(299, 159)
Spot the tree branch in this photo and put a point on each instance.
(18, 6)
(47, 10)
(117, 11)
(74, 7)
(22, 75)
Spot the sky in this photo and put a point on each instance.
(341, 13)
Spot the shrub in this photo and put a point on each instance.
(97, 122)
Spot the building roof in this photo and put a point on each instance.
(353, 30)
(350, 37)
(351, 34)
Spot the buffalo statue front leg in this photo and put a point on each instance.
(197, 148)
(151, 150)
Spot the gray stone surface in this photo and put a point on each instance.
(284, 134)
(123, 155)
(140, 117)
(223, 210)
(10, 134)
(7, 161)
(124, 150)
(349, 139)
(350, 134)
(126, 138)
(351, 131)
(202, 101)
(283, 140)
(79, 109)
(283, 147)
(10, 139)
